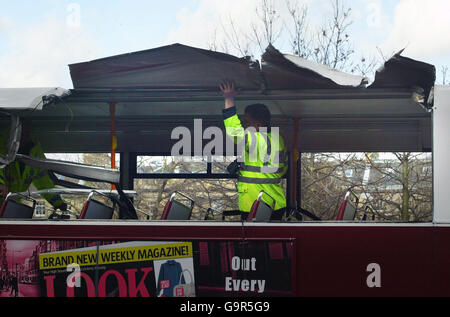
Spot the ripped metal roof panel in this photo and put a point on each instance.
(282, 71)
(181, 67)
(170, 67)
(404, 72)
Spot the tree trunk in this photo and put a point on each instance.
(405, 185)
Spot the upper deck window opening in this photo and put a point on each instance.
(205, 180)
(171, 165)
(396, 186)
(76, 202)
(94, 159)
(218, 194)
(220, 164)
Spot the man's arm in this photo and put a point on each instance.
(229, 92)
(233, 125)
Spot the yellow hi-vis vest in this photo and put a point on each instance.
(18, 178)
(264, 167)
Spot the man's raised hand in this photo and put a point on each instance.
(229, 92)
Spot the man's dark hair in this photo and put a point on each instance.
(259, 113)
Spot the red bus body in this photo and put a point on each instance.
(330, 259)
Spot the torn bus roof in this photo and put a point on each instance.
(283, 71)
(170, 67)
(404, 72)
(181, 67)
(329, 103)
(12, 99)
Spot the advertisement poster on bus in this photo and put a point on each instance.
(55, 268)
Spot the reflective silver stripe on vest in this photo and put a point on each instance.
(269, 149)
(260, 181)
(264, 169)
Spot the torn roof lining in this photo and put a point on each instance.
(146, 70)
(340, 78)
(224, 56)
(170, 67)
(191, 68)
(400, 71)
(34, 103)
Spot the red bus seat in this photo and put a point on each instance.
(347, 210)
(176, 210)
(12, 209)
(95, 210)
(261, 211)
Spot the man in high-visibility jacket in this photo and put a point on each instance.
(17, 177)
(264, 161)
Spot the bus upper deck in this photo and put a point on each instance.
(134, 112)
(128, 107)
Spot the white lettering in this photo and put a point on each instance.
(374, 279)
(74, 18)
(243, 264)
(374, 16)
(198, 137)
(244, 285)
(216, 145)
(228, 283)
(192, 307)
(183, 147)
(261, 286)
(73, 280)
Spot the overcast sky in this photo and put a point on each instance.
(40, 38)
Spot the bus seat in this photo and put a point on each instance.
(347, 210)
(261, 211)
(176, 210)
(95, 210)
(12, 209)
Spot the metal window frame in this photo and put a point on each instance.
(209, 174)
(129, 164)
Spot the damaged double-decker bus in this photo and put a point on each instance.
(141, 221)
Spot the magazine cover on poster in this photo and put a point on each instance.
(57, 268)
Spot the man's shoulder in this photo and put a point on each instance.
(229, 113)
